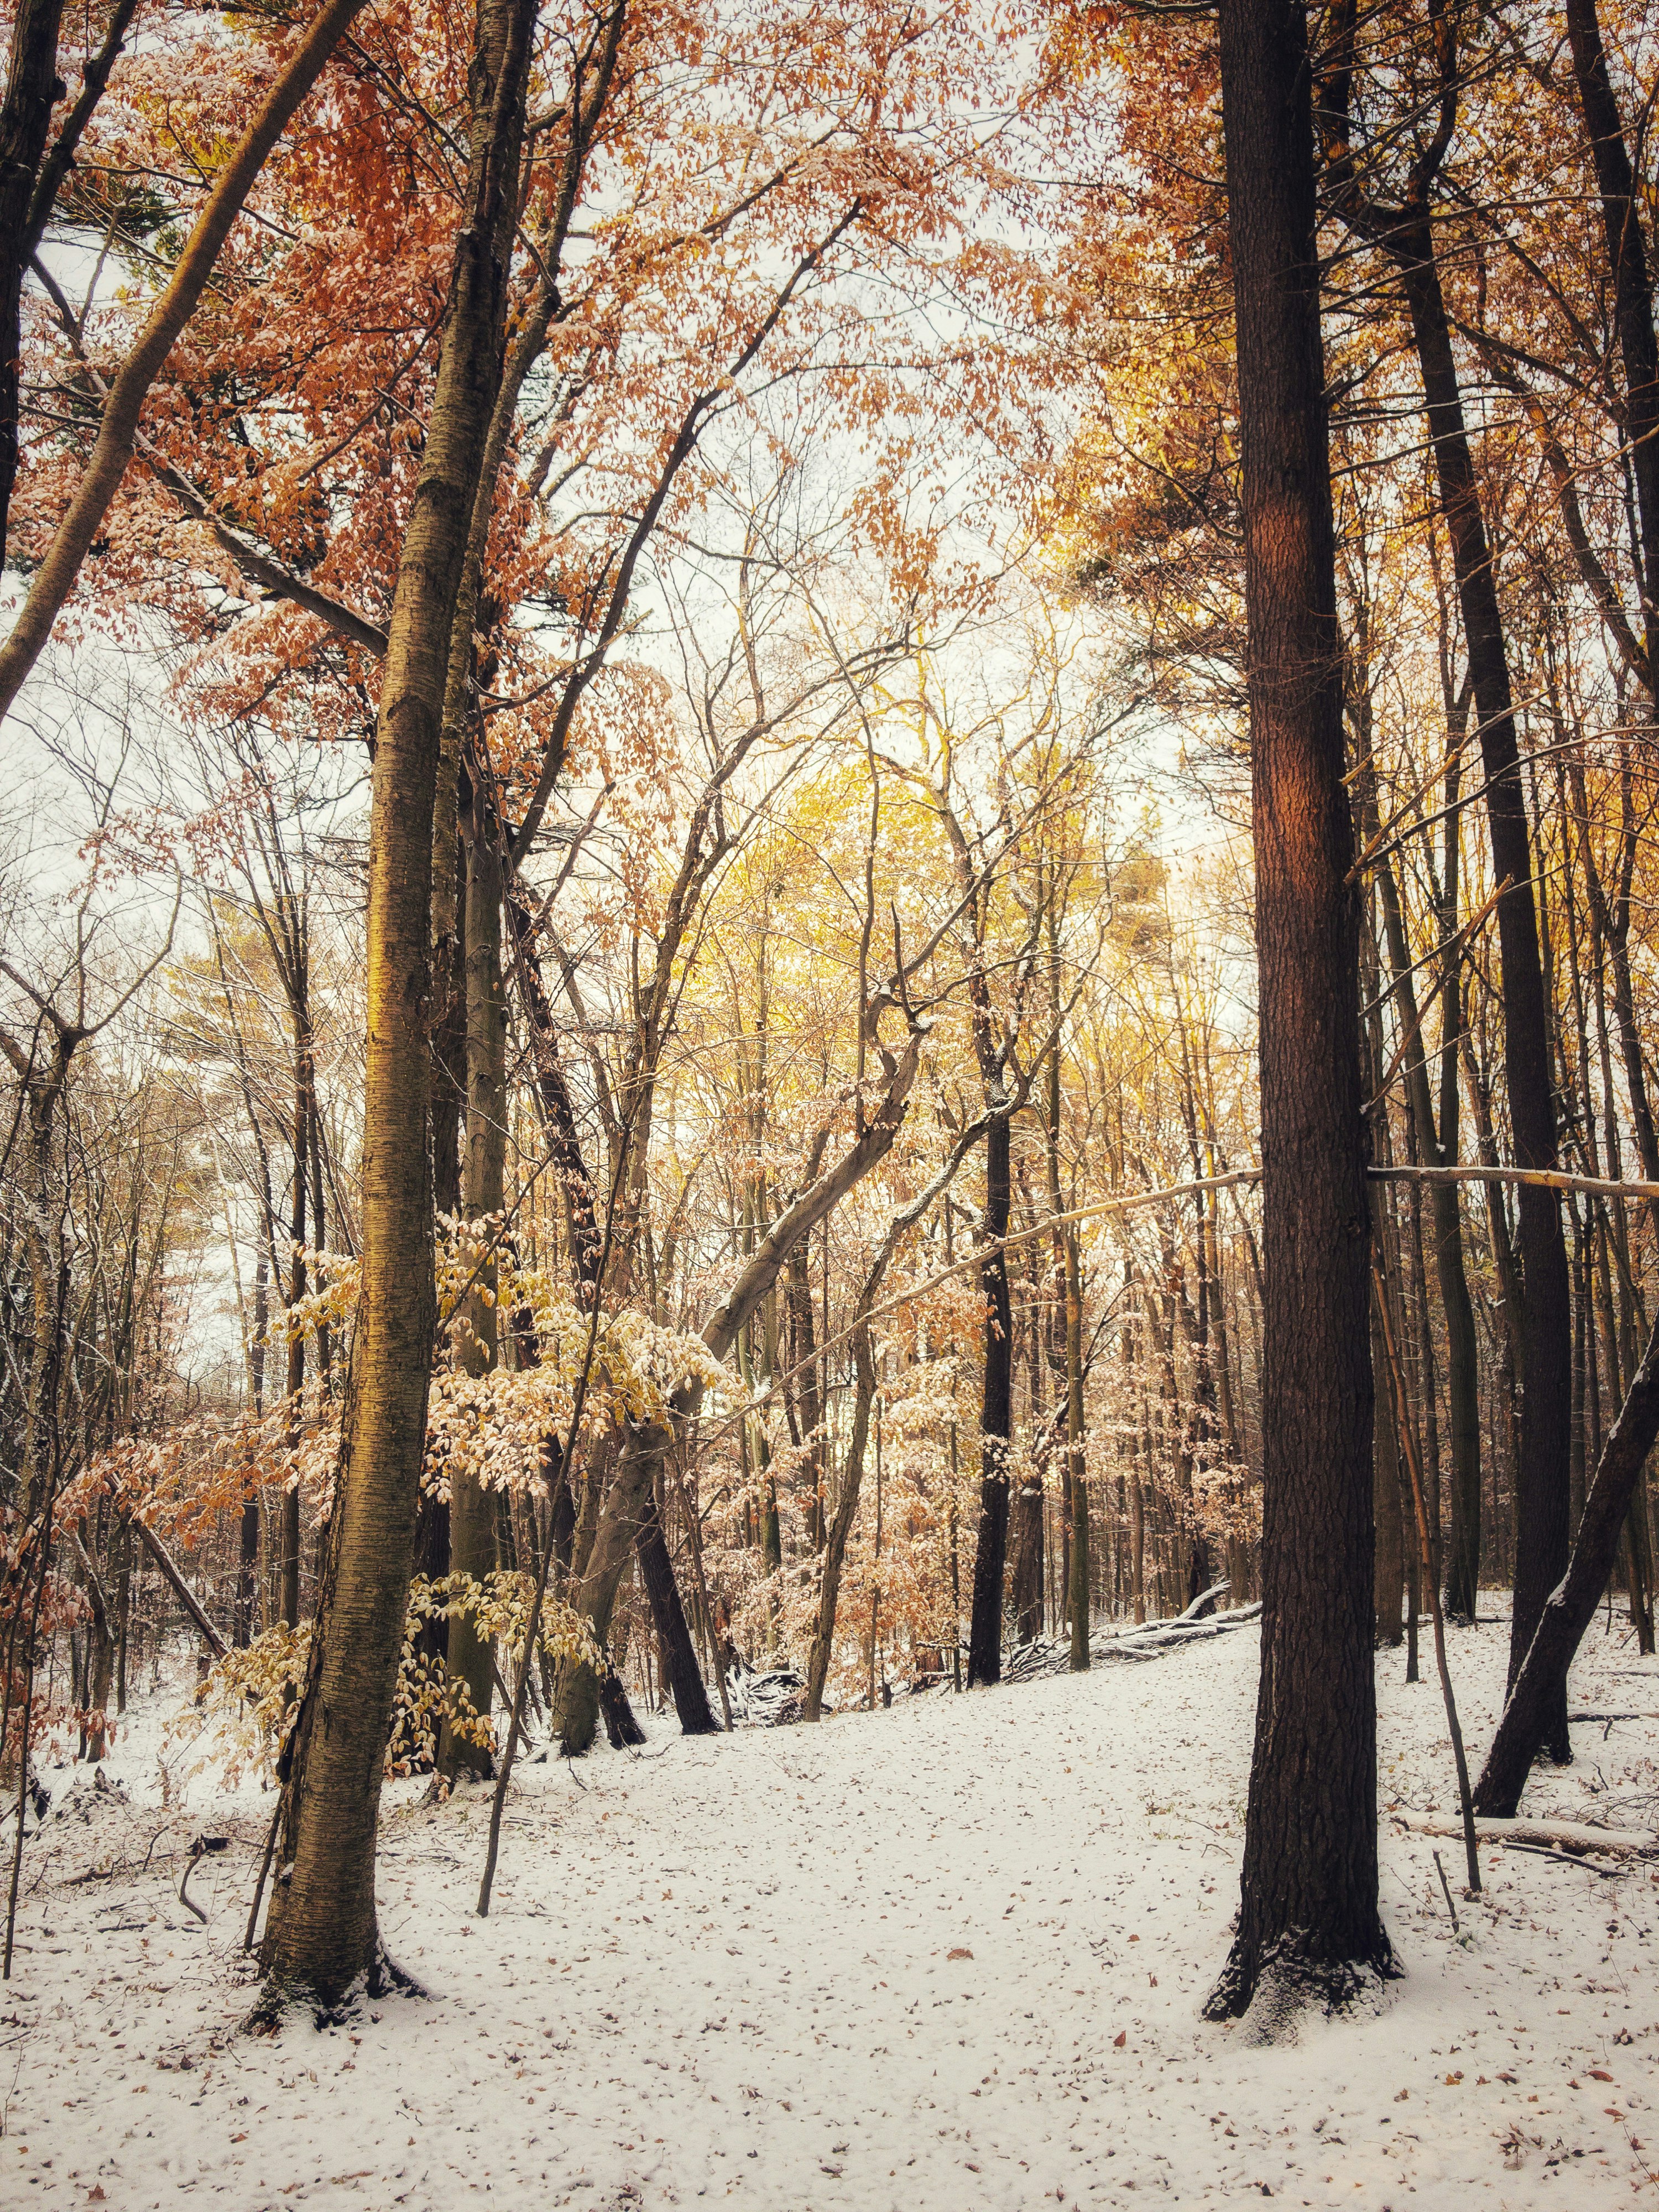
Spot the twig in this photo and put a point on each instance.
(1446, 1887)
(264, 1869)
(1567, 1858)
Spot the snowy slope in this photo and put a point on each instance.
(942, 1958)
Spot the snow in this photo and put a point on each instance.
(946, 1958)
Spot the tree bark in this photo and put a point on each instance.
(995, 1415)
(322, 1933)
(33, 85)
(679, 1655)
(1388, 1575)
(1463, 1553)
(1632, 295)
(1309, 1924)
(1542, 1478)
(840, 1527)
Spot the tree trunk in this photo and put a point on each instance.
(322, 1933)
(288, 1523)
(1309, 1924)
(472, 1549)
(1463, 1559)
(679, 1655)
(1542, 1478)
(996, 1409)
(841, 1525)
(32, 86)
(1632, 296)
(1389, 1574)
(1076, 1475)
(809, 1412)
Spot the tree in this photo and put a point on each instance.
(322, 1935)
(1309, 1924)
(1406, 233)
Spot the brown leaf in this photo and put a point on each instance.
(1120, 2039)
(960, 1952)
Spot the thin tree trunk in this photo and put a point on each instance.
(840, 1527)
(1463, 1553)
(289, 1568)
(995, 1417)
(1388, 1579)
(1632, 298)
(1542, 1476)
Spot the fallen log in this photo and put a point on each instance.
(1567, 1835)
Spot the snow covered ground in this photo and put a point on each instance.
(941, 1958)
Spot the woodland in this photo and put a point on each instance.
(826, 895)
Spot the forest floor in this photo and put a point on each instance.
(944, 1958)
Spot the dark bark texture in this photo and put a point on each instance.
(996, 1412)
(1308, 1925)
(1542, 1483)
(32, 87)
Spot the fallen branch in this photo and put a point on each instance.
(1568, 1858)
(181, 1589)
(1541, 1835)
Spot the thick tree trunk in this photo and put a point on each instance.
(995, 1417)
(322, 1933)
(679, 1654)
(1541, 1686)
(1542, 1480)
(1309, 1924)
